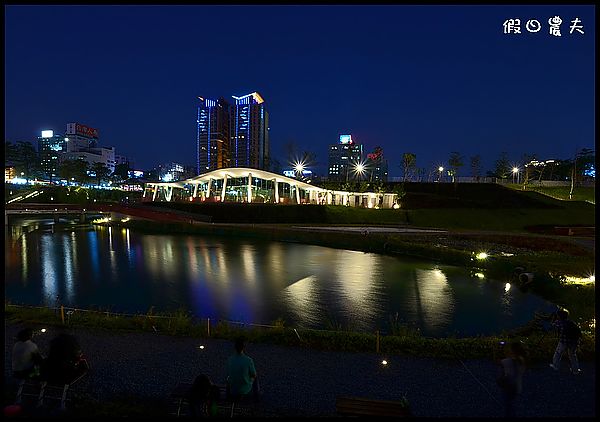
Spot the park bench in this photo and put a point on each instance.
(225, 406)
(354, 406)
(44, 390)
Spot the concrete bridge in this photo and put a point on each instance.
(55, 211)
(82, 212)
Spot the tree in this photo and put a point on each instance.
(455, 162)
(502, 166)
(101, 172)
(24, 157)
(585, 156)
(476, 166)
(122, 171)
(74, 170)
(409, 164)
(527, 161)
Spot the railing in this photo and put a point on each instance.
(66, 313)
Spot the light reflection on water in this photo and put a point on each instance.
(255, 281)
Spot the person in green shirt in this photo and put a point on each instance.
(241, 373)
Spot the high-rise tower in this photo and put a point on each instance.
(213, 138)
(250, 132)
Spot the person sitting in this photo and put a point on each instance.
(241, 373)
(26, 357)
(203, 397)
(65, 362)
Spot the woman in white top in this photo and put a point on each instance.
(26, 356)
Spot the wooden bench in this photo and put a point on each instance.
(354, 406)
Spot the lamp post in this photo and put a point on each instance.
(440, 169)
(299, 167)
(515, 170)
(359, 169)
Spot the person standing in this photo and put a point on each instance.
(569, 336)
(26, 356)
(241, 373)
(512, 368)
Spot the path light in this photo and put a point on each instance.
(507, 287)
(479, 275)
(43, 330)
(481, 255)
(384, 362)
(200, 347)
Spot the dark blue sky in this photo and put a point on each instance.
(422, 79)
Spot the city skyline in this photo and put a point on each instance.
(423, 79)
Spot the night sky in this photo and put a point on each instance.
(421, 79)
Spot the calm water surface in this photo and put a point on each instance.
(253, 281)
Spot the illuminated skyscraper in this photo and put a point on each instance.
(213, 138)
(343, 159)
(250, 133)
(50, 147)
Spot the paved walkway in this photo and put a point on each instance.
(370, 229)
(305, 382)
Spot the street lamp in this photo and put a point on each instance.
(515, 170)
(299, 168)
(440, 169)
(359, 169)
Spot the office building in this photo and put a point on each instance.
(344, 157)
(103, 155)
(250, 132)
(213, 137)
(50, 148)
(376, 166)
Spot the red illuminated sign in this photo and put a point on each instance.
(83, 130)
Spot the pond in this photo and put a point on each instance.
(254, 281)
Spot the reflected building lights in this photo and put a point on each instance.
(249, 266)
(68, 264)
(49, 287)
(24, 258)
(193, 269)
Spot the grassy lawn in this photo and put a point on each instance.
(580, 193)
(514, 220)
(464, 207)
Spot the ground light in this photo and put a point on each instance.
(580, 280)
(43, 330)
(384, 362)
(481, 255)
(200, 347)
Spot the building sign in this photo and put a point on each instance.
(47, 133)
(81, 130)
(345, 139)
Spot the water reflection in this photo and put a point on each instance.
(68, 265)
(49, 283)
(258, 281)
(302, 300)
(356, 274)
(433, 299)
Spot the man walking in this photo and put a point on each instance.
(569, 336)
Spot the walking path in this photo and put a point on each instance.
(306, 382)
